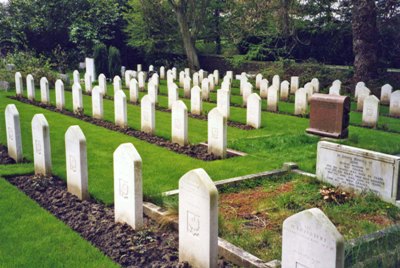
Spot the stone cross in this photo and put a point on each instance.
(394, 108)
(97, 103)
(386, 91)
(19, 87)
(179, 123)
(198, 220)
(41, 145)
(76, 159)
(128, 188)
(13, 130)
(103, 84)
(300, 102)
(254, 111)
(224, 102)
(77, 77)
(30, 84)
(217, 133)
(173, 94)
(294, 84)
(272, 102)
(134, 91)
(44, 91)
(187, 87)
(285, 91)
(77, 99)
(370, 111)
(264, 85)
(362, 94)
(60, 95)
(88, 83)
(205, 89)
(196, 105)
(309, 239)
(120, 109)
(148, 115)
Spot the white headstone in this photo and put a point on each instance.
(88, 83)
(128, 77)
(174, 73)
(205, 89)
(211, 82)
(139, 68)
(243, 82)
(41, 145)
(259, 77)
(117, 83)
(152, 91)
(394, 108)
(198, 220)
(181, 78)
(337, 83)
(224, 102)
(196, 105)
(254, 111)
(294, 84)
(226, 85)
(103, 84)
(370, 111)
(247, 91)
(187, 87)
(120, 110)
(276, 81)
(141, 81)
(196, 79)
(309, 88)
(77, 77)
(386, 91)
(216, 77)
(187, 71)
(358, 169)
(44, 91)
(300, 102)
(134, 91)
(148, 115)
(362, 94)
(76, 159)
(309, 239)
(60, 95)
(13, 129)
(90, 69)
(151, 68)
(97, 103)
(173, 94)
(315, 83)
(217, 133)
(264, 85)
(128, 193)
(285, 91)
(201, 75)
(273, 98)
(30, 85)
(358, 87)
(179, 123)
(19, 87)
(229, 74)
(334, 90)
(77, 100)
(162, 72)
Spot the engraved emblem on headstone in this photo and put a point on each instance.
(38, 147)
(72, 163)
(123, 188)
(193, 224)
(215, 133)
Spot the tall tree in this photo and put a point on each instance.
(365, 40)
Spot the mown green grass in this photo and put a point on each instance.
(32, 237)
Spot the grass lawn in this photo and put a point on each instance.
(31, 237)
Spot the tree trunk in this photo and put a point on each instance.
(188, 41)
(365, 40)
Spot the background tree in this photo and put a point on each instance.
(101, 59)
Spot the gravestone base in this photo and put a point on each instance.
(335, 135)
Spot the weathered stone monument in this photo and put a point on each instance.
(30, 85)
(117, 83)
(179, 123)
(224, 102)
(97, 103)
(44, 91)
(394, 108)
(217, 133)
(264, 85)
(148, 115)
(363, 93)
(359, 170)
(309, 239)
(128, 193)
(134, 91)
(41, 145)
(198, 220)
(77, 100)
(120, 109)
(60, 95)
(300, 102)
(386, 91)
(152, 91)
(205, 89)
(19, 87)
(358, 87)
(259, 77)
(90, 69)
(254, 111)
(315, 83)
(247, 91)
(196, 104)
(370, 111)
(173, 94)
(103, 84)
(76, 159)
(294, 84)
(187, 87)
(77, 77)
(284, 91)
(329, 116)
(141, 81)
(13, 132)
(273, 98)
(88, 83)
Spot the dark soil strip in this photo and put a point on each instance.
(196, 151)
(4, 158)
(153, 246)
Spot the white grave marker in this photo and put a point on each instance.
(13, 131)
(30, 84)
(272, 102)
(217, 133)
(41, 145)
(88, 83)
(179, 123)
(134, 91)
(224, 102)
(44, 91)
(300, 102)
(103, 84)
(19, 87)
(370, 111)
(173, 94)
(120, 110)
(148, 115)
(97, 103)
(254, 111)
(196, 105)
(60, 95)
(264, 85)
(77, 100)
(386, 91)
(394, 108)
(294, 84)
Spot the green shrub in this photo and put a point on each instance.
(114, 61)
(101, 59)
